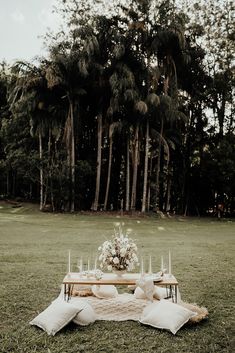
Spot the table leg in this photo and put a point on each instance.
(176, 290)
(70, 291)
(65, 291)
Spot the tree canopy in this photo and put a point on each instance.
(132, 110)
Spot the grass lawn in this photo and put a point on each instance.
(34, 251)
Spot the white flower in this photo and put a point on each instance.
(123, 252)
(116, 260)
(118, 253)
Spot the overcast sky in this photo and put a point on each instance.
(21, 23)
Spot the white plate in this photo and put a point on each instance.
(155, 278)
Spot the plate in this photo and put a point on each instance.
(155, 278)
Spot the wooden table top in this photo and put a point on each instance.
(110, 278)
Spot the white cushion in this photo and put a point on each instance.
(166, 315)
(86, 316)
(104, 291)
(139, 293)
(159, 293)
(146, 284)
(56, 316)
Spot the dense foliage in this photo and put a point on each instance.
(132, 110)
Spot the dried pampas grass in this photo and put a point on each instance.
(81, 291)
(202, 312)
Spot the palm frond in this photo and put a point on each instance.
(119, 51)
(153, 100)
(141, 107)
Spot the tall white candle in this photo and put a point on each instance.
(169, 270)
(95, 263)
(88, 264)
(150, 264)
(162, 265)
(142, 266)
(69, 268)
(81, 265)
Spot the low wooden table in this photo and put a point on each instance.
(170, 282)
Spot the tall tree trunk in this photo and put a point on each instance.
(157, 186)
(49, 167)
(72, 158)
(8, 183)
(186, 162)
(221, 115)
(149, 185)
(135, 168)
(128, 174)
(67, 140)
(168, 191)
(98, 169)
(30, 191)
(14, 178)
(109, 166)
(47, 180)
(145, 167)
(41, 170)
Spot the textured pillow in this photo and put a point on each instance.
(56, 316)
(166, 315)
(160, 293)
(86, 316)
(146, 284)
(104, 291)
(139, 293)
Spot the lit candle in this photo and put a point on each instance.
(150, 265)
(162, 266)
(69, 269)
(169, 270)
(88, 264)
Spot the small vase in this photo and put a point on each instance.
(119, 273)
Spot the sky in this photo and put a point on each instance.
(21, 24)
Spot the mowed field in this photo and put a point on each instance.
(34, 254)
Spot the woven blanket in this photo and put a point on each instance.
(121, 308)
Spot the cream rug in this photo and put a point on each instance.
(123, 307)
(127, 307)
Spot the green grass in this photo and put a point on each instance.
(34, 248)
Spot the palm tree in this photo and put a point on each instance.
(153, 102)
(112, 127)
(98, 163)
(68, 69)
(29, 95)
(142, 109)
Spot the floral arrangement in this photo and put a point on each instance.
(119, 253)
